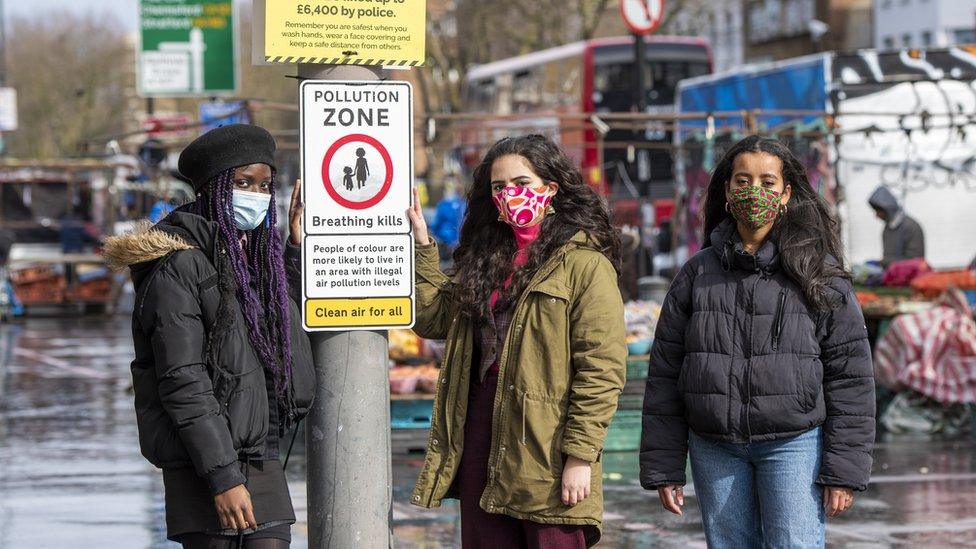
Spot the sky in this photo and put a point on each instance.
(125, 10)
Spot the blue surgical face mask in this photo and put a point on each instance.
(250, 209)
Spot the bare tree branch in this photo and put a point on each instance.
(66, 89)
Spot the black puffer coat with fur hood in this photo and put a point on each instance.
(200, 389)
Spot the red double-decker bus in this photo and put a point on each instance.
(584, 78)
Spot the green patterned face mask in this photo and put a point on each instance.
(754, 207)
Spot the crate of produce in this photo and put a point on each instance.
(624, 432)
(427, 378)
(40, 292)
(37, 273)
(406, 379)
(405, 345)
(637, 367)
(403, 380)
(639, 346)
(99, 289)
(411, 413)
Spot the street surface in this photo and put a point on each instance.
(71, 474)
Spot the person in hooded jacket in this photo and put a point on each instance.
(446, 226)
(903, 237)
(535, 358)
(761, 367)
(222, 366)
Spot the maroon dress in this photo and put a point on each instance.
(479, 528)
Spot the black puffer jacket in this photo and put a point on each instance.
(190, 411)
(740, 356)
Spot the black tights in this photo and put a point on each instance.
(207, 541)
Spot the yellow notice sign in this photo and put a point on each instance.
(346, 313)
(345, 32)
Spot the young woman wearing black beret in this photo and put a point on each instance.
(222, 367)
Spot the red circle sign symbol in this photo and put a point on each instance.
(384, 188)
(642, 16)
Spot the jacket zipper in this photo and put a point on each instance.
(748, 372)
(778, 320)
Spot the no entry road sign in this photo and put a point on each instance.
(357, 180)
(642, 16)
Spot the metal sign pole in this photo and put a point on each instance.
(640, 88)
(350, 486)
(640, 85)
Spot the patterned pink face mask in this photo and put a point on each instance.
(522, 206)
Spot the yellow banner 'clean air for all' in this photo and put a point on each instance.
(326, 313)
(340, 32)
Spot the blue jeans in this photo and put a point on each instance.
(761, 494)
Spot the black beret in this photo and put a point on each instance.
(226, 147)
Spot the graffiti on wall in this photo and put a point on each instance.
(907, 120)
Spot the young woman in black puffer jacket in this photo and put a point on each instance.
(222, 366)
(761, 367)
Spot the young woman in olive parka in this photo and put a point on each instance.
(535, 356)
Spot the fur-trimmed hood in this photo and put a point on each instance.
(180, 230)
(145, 243)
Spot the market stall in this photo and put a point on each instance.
(414, 369)
(640, 318)
(56, 212)
(923, 335)
(81, 280)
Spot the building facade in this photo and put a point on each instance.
(721, 23)
(923, 23)
(783, 29)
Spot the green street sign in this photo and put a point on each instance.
(188, 48)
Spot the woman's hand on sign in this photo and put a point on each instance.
(295, 211)
(416, 215)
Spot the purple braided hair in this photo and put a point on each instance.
(265, 303)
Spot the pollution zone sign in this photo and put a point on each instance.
(357, 181)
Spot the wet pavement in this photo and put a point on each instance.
(71, 474)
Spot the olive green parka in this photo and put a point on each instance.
(562, 367)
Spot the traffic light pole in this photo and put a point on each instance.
(350, 480)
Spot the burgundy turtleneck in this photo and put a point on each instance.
(524, 237)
